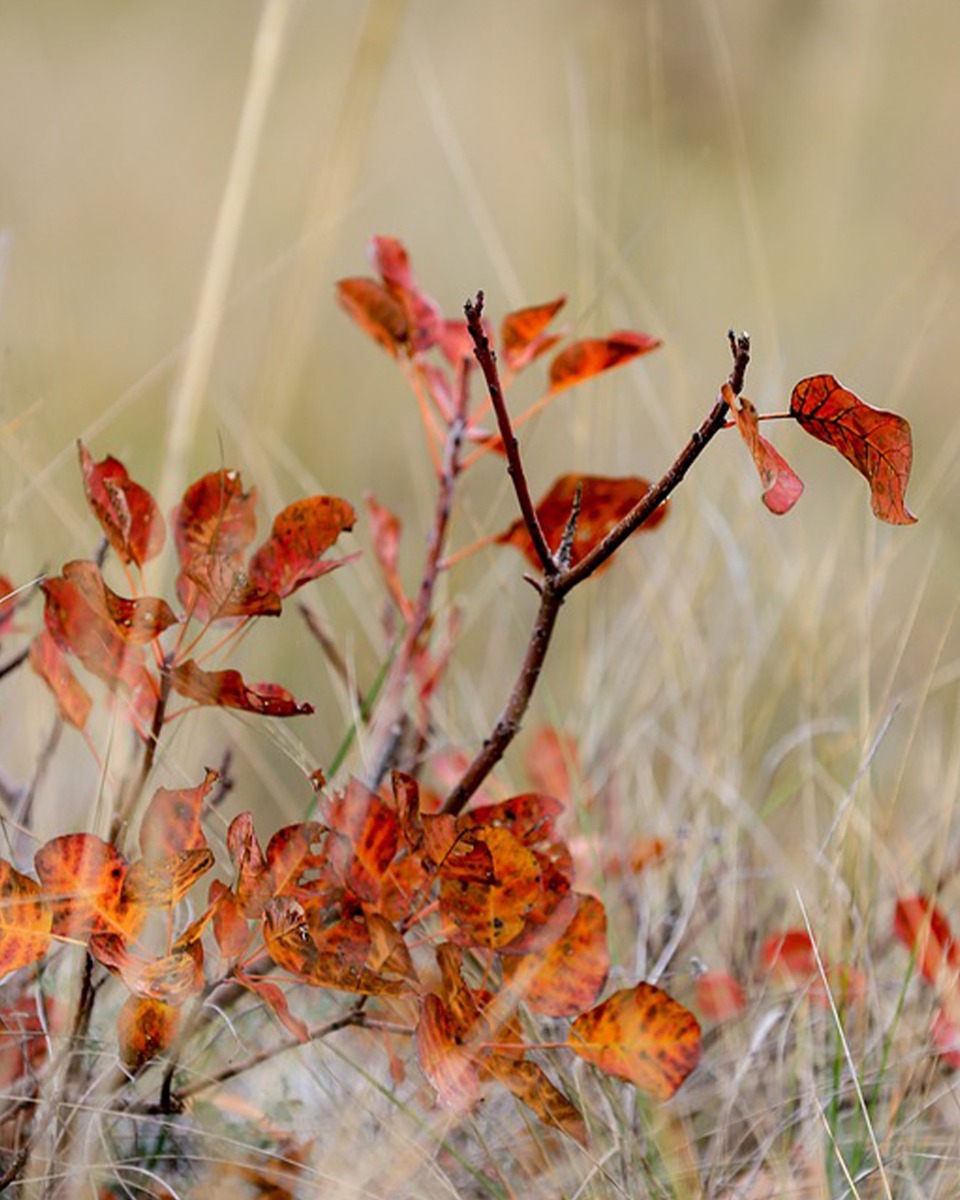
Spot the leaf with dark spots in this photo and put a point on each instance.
(227, 689)
(876, 442)
(127, 513)
(302, 533)
(216, 516)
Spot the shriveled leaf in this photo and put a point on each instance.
(82, 878)
(275, 999)
(878, 443)
(163, 882)
(388, 950)
(924, 929)
(302, 533)
(216, 587)
(378, 313)
(173, 978)
(603, 503)
(136, 621)
(533, 1087)
(448, 1065)
(227, 689)
(171, 821)
(494, 914)
(50, 663)
(719, 996)
(584, 359)
(127, 513)
(568, 976)
(642, 1035)
(255, 884)
(389, 256)
(782, 486)
(521, 335)
(145, 1029)
(216, 516)
(25, 920)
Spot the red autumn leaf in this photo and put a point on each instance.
(230, 926)
(456, 344)
(923, 929)
(389, 256)
(946, 1039)
(91, 638)
(50, 663)
(790, 957)
(388, 950)
(173, 978)
(163, 882)
(719, 996)
(876, 442)
(642, 1035)
(568, 976)
(274, 998)
(290, 857)
(82, 878)
(449, 1066)
(521, 335)
(145, 1028)
(254, 882)
(782, 487)
(378, 313)
(135, 621)
(127, 512)
(367, 836)
(25, 920)
(8, 604)
(584, 359)
(216, 516)
(226, 689)
(302, 533)
(493, 914)
(603, 503)
(171, 821)
(385, 531)
(214, 587)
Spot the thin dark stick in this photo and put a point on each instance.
(557, 586)
(487, 359)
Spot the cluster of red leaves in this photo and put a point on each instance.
(120, 640)
(341, 902)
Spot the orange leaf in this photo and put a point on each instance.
(642, 1035)
(719, 996)
(494, 914)
(389, 256)
(569, 975)
(163, 882)
(216, 516)
(368, 834)
(584, 359)
(530, 1085)
(127, 512)
(25, 920)
(789, 956)
(230, 926)
(82, 878)
(603, 503)
(50, 663)
(173, 978)
(946, 1039)
(171, 821)
(378, 313)
(553, 763)
(923, 929)
(876, 442)
(302, 533)
(450, 1067)
(135, 621)
(521, 333)
(385, 531)
(274, 998)
(145, 1028)
(254, 883)
(227, 689)
(782, 487)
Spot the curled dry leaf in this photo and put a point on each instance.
(584, 359)
(389, 256)
(25, 920)
(227, 689)
(642, 1035)
(876, 442)
(127, 513)
(145, 1029)
(171, 821)
(214, 587)
(275, 999)
(378, 313)
(302, 533)
(367, 834)
(604, 502)
(136, 621)
(533, 1087)
(163, 882)
(522, 335)
(50, 663)
(782, 486)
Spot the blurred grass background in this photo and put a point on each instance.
(785, 168)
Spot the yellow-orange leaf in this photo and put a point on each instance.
(447, 1064)
(529, 1083)
(82, 878)
(163, 882)
(145, 1028)
(25, 921)
(568, 976)
(642, 1035)
(493, 914)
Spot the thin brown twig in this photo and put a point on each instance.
(558, 585)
